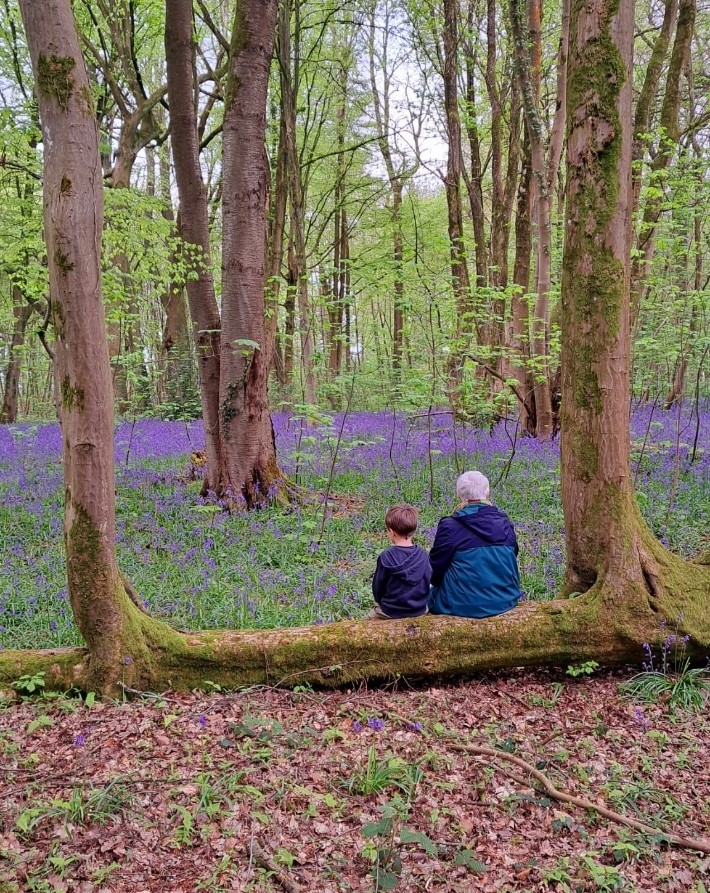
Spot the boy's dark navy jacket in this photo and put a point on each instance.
(474, 563)
(401, 582)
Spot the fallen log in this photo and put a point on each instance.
(592, 626)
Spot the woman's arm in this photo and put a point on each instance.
(442, 552)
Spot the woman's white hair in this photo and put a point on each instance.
(472, 486)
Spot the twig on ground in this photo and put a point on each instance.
(691, 843)
(261, 857)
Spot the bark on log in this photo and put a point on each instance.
(605, 625)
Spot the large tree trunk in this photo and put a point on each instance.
(611, 554)
(249, 467)
(73, 219)
(21, 312)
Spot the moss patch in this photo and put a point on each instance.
(72, 397)
(54, 77)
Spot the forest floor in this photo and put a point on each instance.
(361, 790)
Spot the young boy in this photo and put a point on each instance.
(401, 582)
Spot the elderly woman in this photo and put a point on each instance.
(474, 556)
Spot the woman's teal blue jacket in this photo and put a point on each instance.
(474, 563)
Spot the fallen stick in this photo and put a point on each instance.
(690, 843)
(261, 857)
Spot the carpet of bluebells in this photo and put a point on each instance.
(199, 566)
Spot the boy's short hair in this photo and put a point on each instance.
(402, 519)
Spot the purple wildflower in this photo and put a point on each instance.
(203, 721)
(415, 726)
(357, 726)
(641, 718)
(80, 740)
(375, 723)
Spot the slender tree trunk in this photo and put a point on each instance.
(194, 226)
(396, 176)
(289, 69)
(670, 136)
(21, 312)
(475, 179)
(647, 97)
(528, 67)
(398, 261)
(520, 314)
(677, 389)
(176, 359)
(465, 317)
(498, 261)
(249, 466)
(277, 227)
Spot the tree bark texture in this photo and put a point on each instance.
(194, 225)
(289, 70)
(21, 312)
(610, 551)
(528, 67)
(465, 314)
(647, 96)
(396, 175)
(177, 360)
(520, 314)
(73, 219)
(249, 467)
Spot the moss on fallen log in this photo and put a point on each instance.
(599, 625)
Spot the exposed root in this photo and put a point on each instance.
(702, 845)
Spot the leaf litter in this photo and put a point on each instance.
(360, 790)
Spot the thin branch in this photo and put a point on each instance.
(505, 381)
(700, 844)
(262, 858)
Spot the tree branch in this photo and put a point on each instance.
(690, 843)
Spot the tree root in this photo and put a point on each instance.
(700, 844)
(261, 857)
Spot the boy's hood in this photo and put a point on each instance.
(407, 562)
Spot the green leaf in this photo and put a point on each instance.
(39, 723)
(467, 858)
(373, 829)
(418, 837)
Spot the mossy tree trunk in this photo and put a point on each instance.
(610, 550)
(73, 219)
